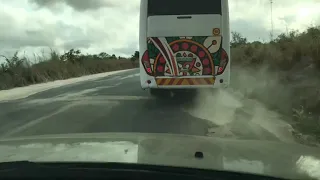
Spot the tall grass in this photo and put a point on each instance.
(17, 72)
(284, 74)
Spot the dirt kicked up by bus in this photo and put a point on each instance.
(184, 44)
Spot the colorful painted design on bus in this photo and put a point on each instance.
(185, 81)
(185, 56)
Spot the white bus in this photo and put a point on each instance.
(184, 44)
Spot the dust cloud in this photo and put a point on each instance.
(235, 113)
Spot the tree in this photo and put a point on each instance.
(104, 55)
(237, 39)
(135, 56)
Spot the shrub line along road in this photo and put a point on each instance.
(117, 103)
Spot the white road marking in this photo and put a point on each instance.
(75, 99)
(109, 79)
(37, 121)
(130, 76)
(69, 96)
(109, 104)
(88, 99)
(23, 92)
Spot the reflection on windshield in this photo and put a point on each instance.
(309, 165)
(242, 165)
(125, 152)
(162, 154)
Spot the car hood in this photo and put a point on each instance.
(275, 159)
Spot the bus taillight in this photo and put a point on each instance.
(224, 59)
(146, 63)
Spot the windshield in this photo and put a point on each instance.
(155, 81)
(183, 7)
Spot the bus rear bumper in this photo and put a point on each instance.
(182, 83)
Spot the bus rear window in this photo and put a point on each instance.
(183, 7)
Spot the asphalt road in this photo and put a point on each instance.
(118, 104)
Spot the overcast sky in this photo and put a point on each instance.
(32, 26)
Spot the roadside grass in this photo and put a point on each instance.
(18, 72)
(285, 75)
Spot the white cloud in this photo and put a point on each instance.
(112, 25)
(252, 18)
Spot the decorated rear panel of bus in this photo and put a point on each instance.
(184, 43)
